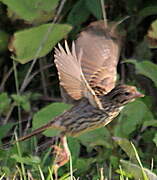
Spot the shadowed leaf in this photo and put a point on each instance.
(47, 114)
(100, 136)
(146, 68)
(127, 147)
(132, 115)
(78, 14)
(94, 6)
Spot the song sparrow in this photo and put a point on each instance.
(87, 75)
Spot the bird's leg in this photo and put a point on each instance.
(62, 153)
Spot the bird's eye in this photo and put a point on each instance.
(127, 93)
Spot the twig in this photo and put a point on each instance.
(5, 79)
(104, 13)
(14, 104)
(37, 72)
(43, 79)
(25, 82)
(18, 93)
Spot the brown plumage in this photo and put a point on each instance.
(88, 74)
(83, 116)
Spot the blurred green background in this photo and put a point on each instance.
(30, 96)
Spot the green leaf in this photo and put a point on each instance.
(4, 37)
(132, 115)
(27, 43)
(83, 165)
(47, 114)
(136, 171)
(155, 139)
(94, 6)
(143, 51)
(74, 150)
(126, 145)
(101, 137)
(152, 35)
(131, 5)
(5, 128)
(147, 11)
(32, 10)
(78, 14)
(146, 68)
(30, 160)
(23, 101)
(152, 123)
(4, 102)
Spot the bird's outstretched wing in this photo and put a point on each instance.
(70, 74)
(101, 47)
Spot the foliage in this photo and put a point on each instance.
(30, 95)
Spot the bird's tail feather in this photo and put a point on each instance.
(33, 133)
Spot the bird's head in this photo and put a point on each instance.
(123, 94)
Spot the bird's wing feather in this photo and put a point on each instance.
(100, 56)
(71, 76)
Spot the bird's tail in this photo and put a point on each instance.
(33, 133)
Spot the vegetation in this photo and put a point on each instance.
(30, 97)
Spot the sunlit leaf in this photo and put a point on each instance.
(32, 10)
(26, 43)
(23, 101)
(30, 160)
(152, 35)
(155, 139)
(136, 171)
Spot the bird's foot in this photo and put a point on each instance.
(62, 154)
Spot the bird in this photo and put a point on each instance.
(87, 75)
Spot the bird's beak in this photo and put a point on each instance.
(138, 94)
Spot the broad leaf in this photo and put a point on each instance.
(5, 128)
(132, 115)
(94, 6)
(78, 14)
(4, 102)
(3, 41)
(74, 150)
(23, 101)
(136, 171)
(146, 68)
(101, 137)
(155, 139)
(32, 10)
(47, 114)
(31, 43)
(152, 35)
(30, 160)
(147, 11)
(127, 147)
